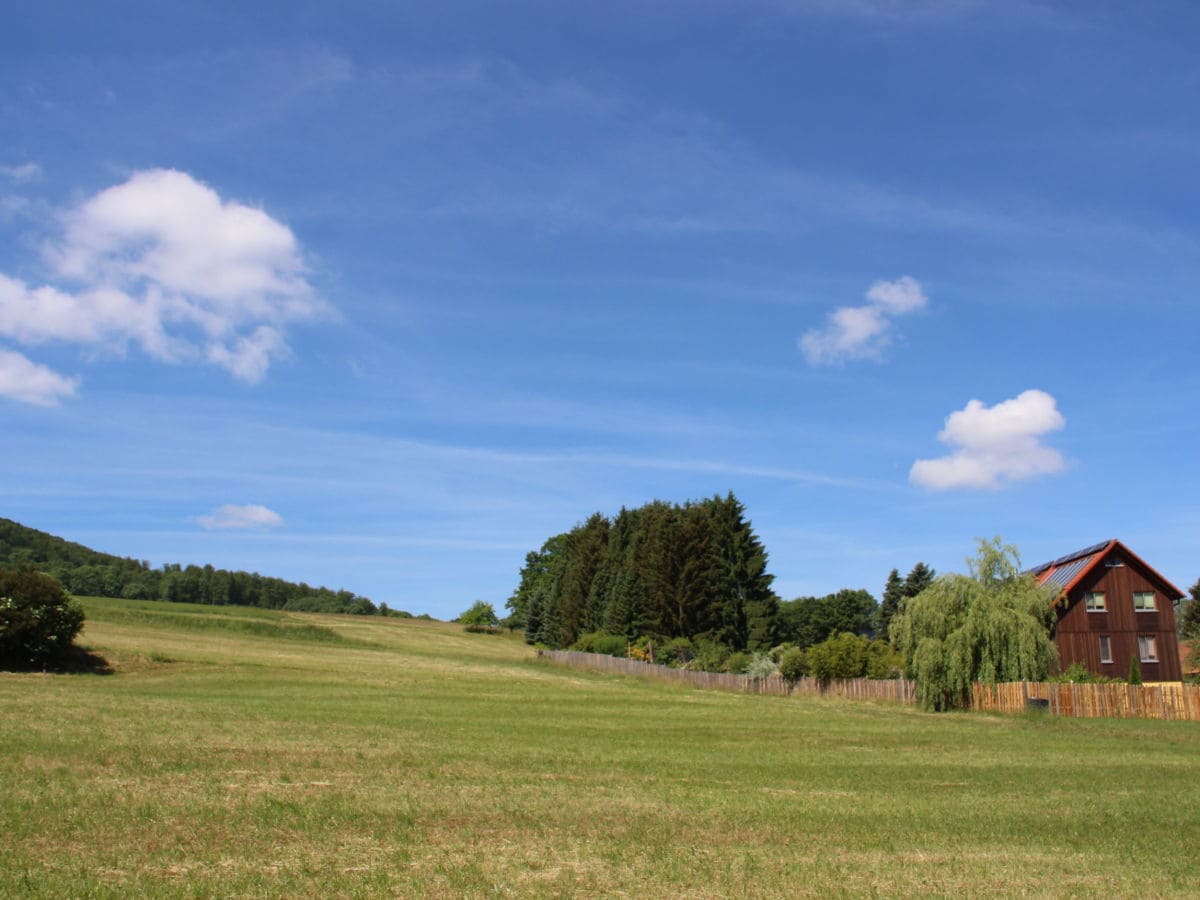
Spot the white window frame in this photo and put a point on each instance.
(1089, 602)
(1147, 641)
(1153, 601)
(1105, 648)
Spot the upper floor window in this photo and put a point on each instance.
(1143, 601)
(1094, 601)
(1147, 648)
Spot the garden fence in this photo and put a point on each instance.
(1167, 700)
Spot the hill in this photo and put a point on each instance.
(247, 752)
(87, 572)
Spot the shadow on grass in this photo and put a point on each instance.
(76, 661)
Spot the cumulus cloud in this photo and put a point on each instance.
(163, 263)
(23, 380)
(863, 332)
(233, 516)
(994, 445)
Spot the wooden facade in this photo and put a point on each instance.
(1113, 604)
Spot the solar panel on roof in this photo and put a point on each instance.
(1062, 576)
(1062, 560)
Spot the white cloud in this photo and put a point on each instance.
(23, 380)
(994, 445)
(22, 173)
(162, 262)
(863, 332)
(233, 516)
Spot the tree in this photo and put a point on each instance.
(918, 579)
(991, 626)
(808, 621)
(1189, 622)
(38, 620)
(481, 616)
(893, 596)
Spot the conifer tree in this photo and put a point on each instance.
(893, 595)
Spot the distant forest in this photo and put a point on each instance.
(88, 573)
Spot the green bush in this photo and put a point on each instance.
(841, 656)
(710, 656)
(38, 620)
(587, 642)
(1135, 670)
(793, 664)
(737, 662)
(883, 661)
(779, 649)
(675, 652)
(610, 645)
(1078, 673)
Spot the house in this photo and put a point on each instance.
(1110, 606)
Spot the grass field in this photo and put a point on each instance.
(252, 753)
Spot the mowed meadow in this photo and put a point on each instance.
(251, 753)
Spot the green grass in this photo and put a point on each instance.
(409, 758)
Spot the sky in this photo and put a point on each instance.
(380, 296)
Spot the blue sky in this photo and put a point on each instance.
(380, 297)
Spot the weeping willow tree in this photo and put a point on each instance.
(992, 625)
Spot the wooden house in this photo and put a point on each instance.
(1111, 605)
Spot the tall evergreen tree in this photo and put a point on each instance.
(918, 579)
(893, 595)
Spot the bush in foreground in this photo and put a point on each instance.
(38, 620)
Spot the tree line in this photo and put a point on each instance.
(89, 573)
(695, 570)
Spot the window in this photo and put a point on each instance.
(1147, 648)
(1114, 562)
(1105, 649)
(1094, 601)
(1143, 601)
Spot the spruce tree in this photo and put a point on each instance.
(893, 596)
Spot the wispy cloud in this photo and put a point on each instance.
(22, 173)
(234, 516)
(993, 446)
(25, 381)
(162, 262)
(863, 332)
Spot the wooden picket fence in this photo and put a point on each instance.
(1166, 700)
(896, 691)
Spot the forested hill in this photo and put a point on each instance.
(89, 573)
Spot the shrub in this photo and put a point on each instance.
(38, 620)
(610, 645)
(737, 662)
(710, 656)
(883, 661)
(761, 666)
(1135, 670)
(587, 642)
(779, 649)
(793, 664)
(841, 656)
(675, 652)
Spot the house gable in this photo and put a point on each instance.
(1111, 607)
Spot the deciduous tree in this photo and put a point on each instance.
(992, 625)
